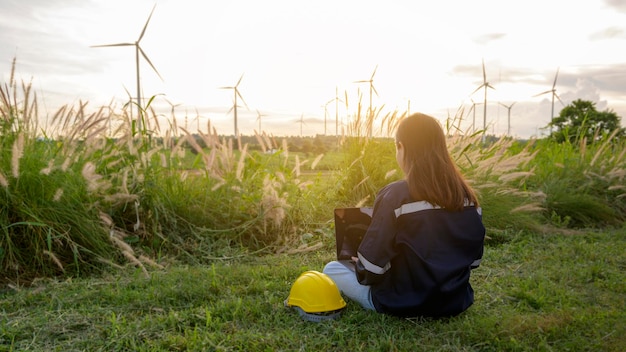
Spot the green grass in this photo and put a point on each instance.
(85, 214)
(533, 293)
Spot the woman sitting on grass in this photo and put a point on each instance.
(425, 237)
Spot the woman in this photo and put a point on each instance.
(425, 237)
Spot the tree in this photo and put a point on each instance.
(580, 119)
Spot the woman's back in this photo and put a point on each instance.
(436, 250)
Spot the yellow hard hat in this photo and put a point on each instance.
(316, 297)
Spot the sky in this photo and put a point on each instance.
(294, 57)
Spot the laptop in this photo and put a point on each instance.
(350, 227)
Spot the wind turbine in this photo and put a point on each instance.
(173, 123)
(372, 90)
(553, 91)
(473, 110)
(236, 94)
(259, 115)
(337, 100)
(325, 106)
(301, 123)
(138, 51)
(173, 106)
(508, 107)
(484, 85)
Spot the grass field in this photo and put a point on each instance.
(164, 240)
(533, 293)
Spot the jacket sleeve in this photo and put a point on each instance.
(366, 277)
(476, 263)
(377, 248)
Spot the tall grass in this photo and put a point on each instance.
(78, 195)
(584, 182)
(48, 221)
(87, 190)
(534, 185)
(497, 173)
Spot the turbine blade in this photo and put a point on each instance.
(555, 77)
(373, 73)
(226, 88)
(478, 88)
(490, 86)
(106, 45)
(241, 97)
(374, 89)
(146, 25)
(363, 81)
(239, 81)
(484, 73)
(149, 62)
(557, 96)
(542, 93)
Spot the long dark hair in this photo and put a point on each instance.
(430, 171)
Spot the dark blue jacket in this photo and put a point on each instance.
(417, 257)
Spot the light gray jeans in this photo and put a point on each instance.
(346, 281)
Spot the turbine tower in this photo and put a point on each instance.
(337, 100)
(259, 115)
(484, 85)
(302, 123)
(372, 90)
(236, 94)
(473, 111)
(508, 107)
(325, 106)
(138, 52)
(553, 92)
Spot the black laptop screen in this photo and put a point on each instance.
(350, 227)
